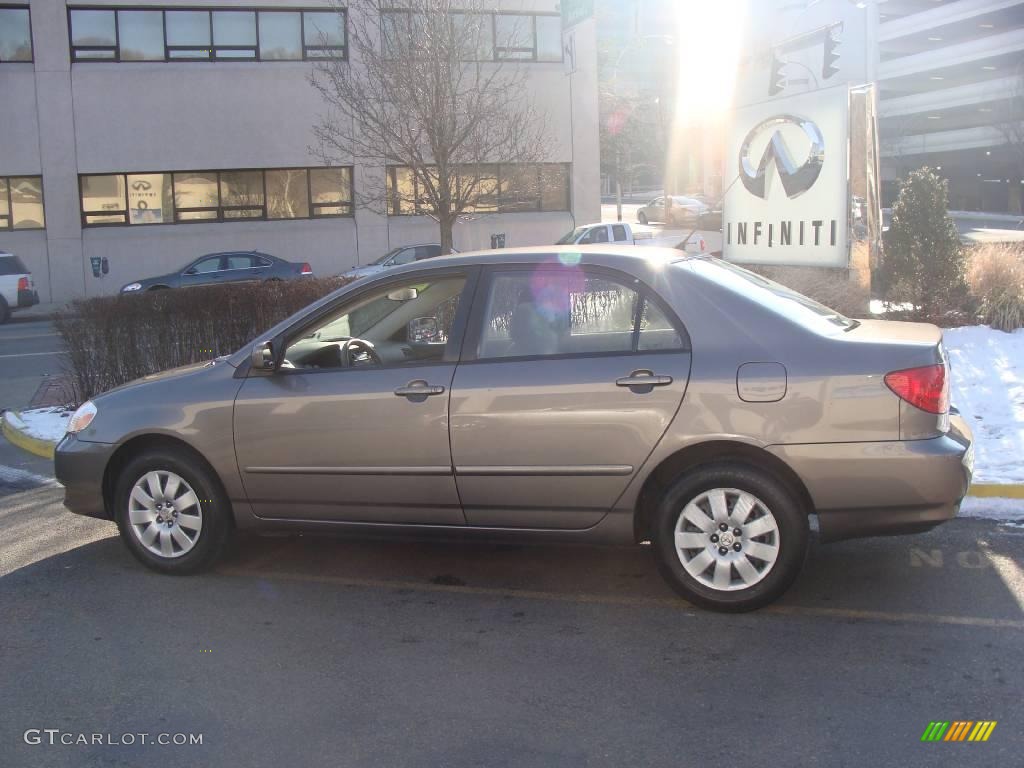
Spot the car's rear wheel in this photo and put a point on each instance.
(171, 512)
(642, 217)
(730, 537)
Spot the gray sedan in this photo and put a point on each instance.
(227, 267)
(610, 394)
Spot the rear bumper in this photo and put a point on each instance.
(28, 298)
(885, 488)
(79, 466)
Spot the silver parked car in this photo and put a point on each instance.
(603, 393)
(681, 210)
(396, 257)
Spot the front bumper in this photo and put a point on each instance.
(28, 298)
(885, 488)
(79, 466)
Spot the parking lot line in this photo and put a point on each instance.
(678, 604)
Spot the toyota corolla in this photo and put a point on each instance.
(597, 394)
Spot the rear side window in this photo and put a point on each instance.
(239, 261)
(549, 312)
(12, 265)
(427, 251)
(619, 233)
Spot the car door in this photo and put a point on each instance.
(569, 378)
(204, 271)
(238, 267)
(655, 209)
(367, 440)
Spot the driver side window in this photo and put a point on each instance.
(400, 324)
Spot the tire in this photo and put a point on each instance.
(5, 311)
(642, 217)
(210, 517)
(774, 524)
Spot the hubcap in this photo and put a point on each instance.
(165, 514)
(727, 539)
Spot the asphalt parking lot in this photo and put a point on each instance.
(369, 652)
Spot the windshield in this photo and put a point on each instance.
(785, 300)
(385, 257)
(570, 237)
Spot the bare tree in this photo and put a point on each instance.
(424, 95)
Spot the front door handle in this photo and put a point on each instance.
(419, 388)
(643, 378)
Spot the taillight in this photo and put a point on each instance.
(22, 283)
(306, 269)
(926, 388)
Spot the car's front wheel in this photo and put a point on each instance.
(171, 512)
(729, 537)
(5, 311)
(642, 217)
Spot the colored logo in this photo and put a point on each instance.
(796, 179)
(958, 730)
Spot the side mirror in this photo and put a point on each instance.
(423, 330)
(262, 358)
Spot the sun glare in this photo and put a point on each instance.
(709, 35)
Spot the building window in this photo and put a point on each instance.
(330, 191)
(15, 34)
(484, 36)
(280, 35)
(323, 35)
(141, 35)
(506, 188)
(21, 202)
(188, 196)
(218, 34)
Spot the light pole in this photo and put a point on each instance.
(668, 40)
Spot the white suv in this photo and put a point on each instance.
(17, 289)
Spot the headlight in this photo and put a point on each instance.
(83, 417)
(132, 287)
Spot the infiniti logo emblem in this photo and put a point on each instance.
(796, 179)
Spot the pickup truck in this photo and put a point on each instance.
(621, 232)
(17, 289)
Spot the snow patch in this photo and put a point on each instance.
(987, 385)
(1011, 510)
(48, 424)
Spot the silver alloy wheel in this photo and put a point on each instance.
(165, 513)
(727, 539)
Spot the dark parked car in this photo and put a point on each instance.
(227, 267)
(595, 393)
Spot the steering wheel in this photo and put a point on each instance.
(355, 346)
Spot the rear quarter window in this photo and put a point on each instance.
(773, 296)
(12, 265)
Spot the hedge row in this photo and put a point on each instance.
(112, 340)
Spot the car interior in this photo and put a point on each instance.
(393, 326)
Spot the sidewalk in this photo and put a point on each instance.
(36, 313)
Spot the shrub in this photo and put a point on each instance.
(922, 262)
(112, 340)
(834, 288)
(995, 277)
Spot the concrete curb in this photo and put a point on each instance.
(16, 435)
(993, 490)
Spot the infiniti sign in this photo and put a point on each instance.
(796, 179)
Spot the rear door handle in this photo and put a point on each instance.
(643, 378)
(419, 388)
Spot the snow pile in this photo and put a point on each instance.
(987, 371)
(43, 423)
